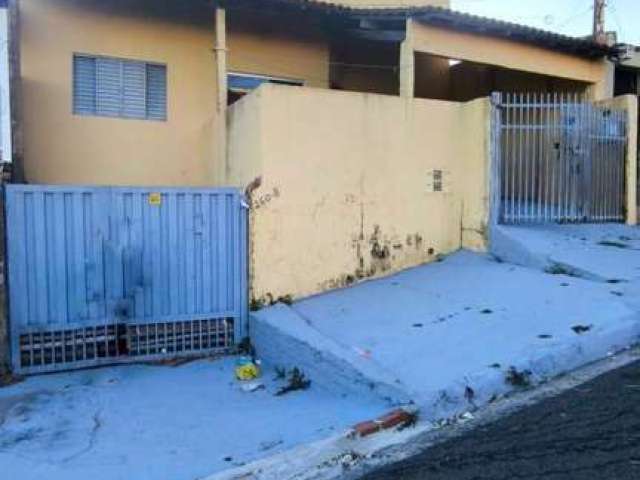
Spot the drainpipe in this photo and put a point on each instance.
(407, 63)
(221, 103)
(5, 96)
(14, 102)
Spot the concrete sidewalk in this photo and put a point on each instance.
(446, 335)
(608, 253)
(604, 252)
(148, 422)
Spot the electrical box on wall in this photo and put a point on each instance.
(438, 181)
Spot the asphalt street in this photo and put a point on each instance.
(589, 432)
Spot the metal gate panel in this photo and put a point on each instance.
(56, 274)
(561, 159)
(103, 275)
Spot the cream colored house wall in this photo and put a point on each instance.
(277, 45)
(474, 173)
(64, 148)
(345, 192)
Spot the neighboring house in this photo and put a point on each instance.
(627, 79)
(130, 92)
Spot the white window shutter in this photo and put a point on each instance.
(109, 87)
(156, 92)
(134, 90)
(84, 85)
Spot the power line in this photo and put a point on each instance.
(575, 17)
(616, 19)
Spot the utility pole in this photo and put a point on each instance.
(599, 35)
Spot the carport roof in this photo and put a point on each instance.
(447, 18)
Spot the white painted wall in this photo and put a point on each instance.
(5, 110)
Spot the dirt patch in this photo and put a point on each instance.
(18, 404)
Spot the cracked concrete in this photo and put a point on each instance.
(153, 422)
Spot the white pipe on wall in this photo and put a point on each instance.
(5, 98)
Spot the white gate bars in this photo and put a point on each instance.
(561, 158)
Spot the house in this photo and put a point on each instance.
(175, 135)
(364, 135)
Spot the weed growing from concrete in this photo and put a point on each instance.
(281, 373)
(245, 347)
(559, 269)
(286, 299)
(256, 304)
(297, 381)
(518, 378)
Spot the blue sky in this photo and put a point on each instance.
(571, 17)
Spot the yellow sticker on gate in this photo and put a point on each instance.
(155, 198)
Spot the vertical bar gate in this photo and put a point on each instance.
(101, 275)
(561, 159)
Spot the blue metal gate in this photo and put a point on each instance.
(101, 275)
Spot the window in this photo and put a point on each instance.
(112, 87)
(239, 84)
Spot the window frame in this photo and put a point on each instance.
(120, 116)
(292, 82)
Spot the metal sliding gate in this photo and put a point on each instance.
(102, 275)
(560, 158)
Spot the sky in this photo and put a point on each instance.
(570, 17)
